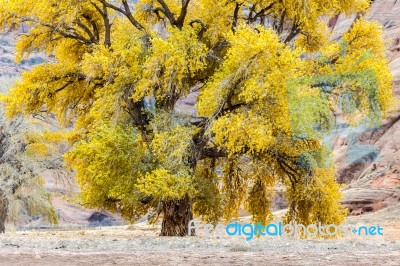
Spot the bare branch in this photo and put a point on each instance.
(181, 19)
(294, 31)
(126, 11)
(167, 12)
(262, 11)
(235, 16)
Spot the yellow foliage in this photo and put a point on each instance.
(315, 199)
(162, 184)
(38, 149)
(108, 165)
(173, 62)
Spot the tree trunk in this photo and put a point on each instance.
(3, 211)
(177, 215)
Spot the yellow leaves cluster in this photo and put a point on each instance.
(364, 36)
(48, 19)
(254, 74)
(309, 16)
(206, 183)
(261, 191)
(164, 185)
(144, 11)
(216, 15)
(234, 188)
(108, 165)
(237, 132)
(259, 200)
(46, 85)
(308, 108)
(316, 36)
(173, 62)
(171, 148)
(255, 69)
(315, 199)
(349, 7)
(38, 150)
(120, 64)
(44, 144)
(367, 36)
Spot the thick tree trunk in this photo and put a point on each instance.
(3, 212)
(177, 215)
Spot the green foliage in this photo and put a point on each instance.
(109, 164)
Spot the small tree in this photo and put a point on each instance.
(120, 69)
(21, 187)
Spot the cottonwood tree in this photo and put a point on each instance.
(120, 68)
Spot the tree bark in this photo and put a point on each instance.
(177, 215)
(3, 211)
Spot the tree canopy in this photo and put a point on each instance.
(120, 68)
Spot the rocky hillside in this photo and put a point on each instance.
(369, 160)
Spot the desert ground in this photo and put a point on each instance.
(139, 244)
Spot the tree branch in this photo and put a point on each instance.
(87, 30)
(235, 16)
(126, 12)
(212, 153)
(294, 31)
(96, 32)
(203, 27)
(261, 12)
(107, 27)
(66, 32)
(181, 19)
(167, 12)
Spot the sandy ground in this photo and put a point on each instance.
(201, 258)
(140, 245)
(122, 247)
